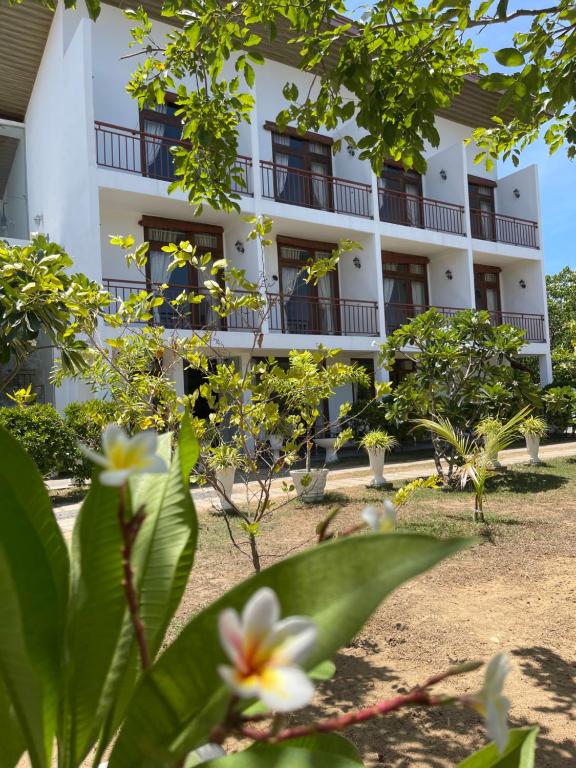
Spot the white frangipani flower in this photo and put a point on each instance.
(490, 702)
(381, 518)
(123, 456)
(266, 651)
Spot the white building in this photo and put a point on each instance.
(79, 162)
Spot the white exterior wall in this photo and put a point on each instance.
(83, 204)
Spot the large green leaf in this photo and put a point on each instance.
(519, 752)
(33, 592)
(328, 750)
(509, 57)
(338, 584)
(12, 743)
(105, 665)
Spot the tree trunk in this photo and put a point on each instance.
(254, 553)
(478, 511)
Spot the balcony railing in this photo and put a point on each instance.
(324, 316)
(533, 325)
(185, 316)
(128, 149)
(314, 190)
(286, 314)
(503, 229)
(415, 211)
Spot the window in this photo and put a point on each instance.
(362, 392)
(161, 129)
(405, 287)
(487, 288)
(302, 165)
(402, 368)
(306, 308)
(400, 195)
(207, 239)
(481, 197)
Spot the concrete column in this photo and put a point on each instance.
(545, 366)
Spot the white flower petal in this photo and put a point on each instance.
(114, 477)
(497, 721)
(371, 516)
(284, 689)
(144, 442)
(231, 637)
(96, 458)
(292, 640)
(260, 614)
(496, 673)
(155, 465)
(113, 434)
(246, 688)
(207, 752)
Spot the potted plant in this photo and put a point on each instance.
(485, 429)
(223, 460)
(534, 428)
(278, 436)
(378, 443)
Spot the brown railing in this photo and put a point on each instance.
(415, 211)
(185, 316)
(401, 314)
(325, 316)
(503, 229)
(127, 149)
(314, 190)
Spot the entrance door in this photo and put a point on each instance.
(487, 289)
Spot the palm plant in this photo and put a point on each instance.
(476, 455)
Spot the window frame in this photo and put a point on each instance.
(389, 257)
(480, 285)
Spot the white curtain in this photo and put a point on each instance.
(319, 186)
(389, 284)
(296, 310)
(157, 129)
(281, 174)
(327, 307)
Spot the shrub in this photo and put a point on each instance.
(85, 422)
(378, 439)
(560, 407)
(44, 434)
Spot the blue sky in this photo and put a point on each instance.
(557, 173)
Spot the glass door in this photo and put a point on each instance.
(160, 130)
(482, 210)
(487, 290)
(401, 196)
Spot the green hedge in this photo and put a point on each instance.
(44, 434)
(52, 440)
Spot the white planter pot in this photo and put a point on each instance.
(309, 484)
(376, 457)
(328, 444)
(533, 446)
(276, 443)
(225, 480)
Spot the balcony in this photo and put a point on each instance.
(323, 316)
(286, 314)
(127, 149)
(398, 315)
(415, 211)
(314, 190)
(486, 225)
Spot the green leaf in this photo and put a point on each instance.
(33, 592)
(12, 744)
(329, 750)
(339, 585)
(509, 57)
(323, 671)
(519, 752)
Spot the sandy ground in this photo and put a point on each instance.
(513, 592)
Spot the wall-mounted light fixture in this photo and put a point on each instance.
(522, 283)
(516, 193)
(443, 175)
(239, 245)
(275, 278)
(351, 150)
(356, 261)
(39, 221)
(449, 274)
(3, 221)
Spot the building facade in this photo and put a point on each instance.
(80, 162)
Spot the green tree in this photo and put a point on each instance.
(40, 299)
(561, 290)
(467, 370)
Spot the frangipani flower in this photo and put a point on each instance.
(266, 651)
(382, 519)
(123, 456)
(490, 702)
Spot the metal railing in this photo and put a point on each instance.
(423, 212)
(187, 316)
(128, 149)
(324, 316)
(314, 190)
(398, 315)
(486, 225)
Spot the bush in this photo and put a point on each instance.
(44, 435)
(560, 407)
(85, 422)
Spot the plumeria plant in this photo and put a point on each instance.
(85, 668)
